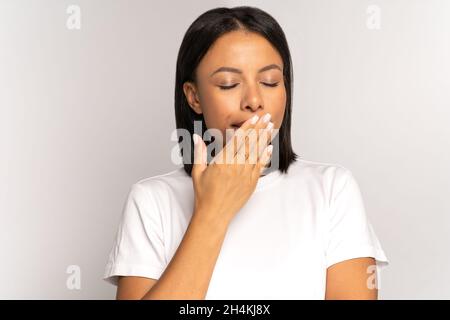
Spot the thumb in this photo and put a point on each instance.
(200, 163)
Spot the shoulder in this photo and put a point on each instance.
(324, 179)
(152, 194)
(325, 173)
(163, 181)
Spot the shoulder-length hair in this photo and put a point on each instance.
(199, 37)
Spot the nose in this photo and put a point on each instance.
(252, 100)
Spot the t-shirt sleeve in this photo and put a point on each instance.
(350, 233)
(138, 249)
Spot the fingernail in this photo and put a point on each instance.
(195, 138)
(269, 149)
(269, 126)
(254, 119)
(266, 118)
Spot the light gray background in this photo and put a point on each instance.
(86, 113)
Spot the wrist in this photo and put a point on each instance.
(215, 221)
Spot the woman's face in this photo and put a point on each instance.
(241, 75)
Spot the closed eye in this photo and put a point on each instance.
(228, 87)
(272, 85)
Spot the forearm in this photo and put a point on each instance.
(189, 272)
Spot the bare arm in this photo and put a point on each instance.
(133, 287)
(188, 274)
(351, 279)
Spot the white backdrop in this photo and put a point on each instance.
(86, 112)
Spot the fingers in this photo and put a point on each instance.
(241, 138)
(200, 156)
(248, 142)
(264, 159)
(229, 151)
(265, 139)
(250, 150)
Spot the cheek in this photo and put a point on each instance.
(276, 105)
(217, 109)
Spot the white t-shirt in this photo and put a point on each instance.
(278, 246)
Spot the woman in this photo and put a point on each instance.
(279, 227)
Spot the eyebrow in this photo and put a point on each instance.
(235, 70)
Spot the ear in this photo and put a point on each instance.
(191, 93)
